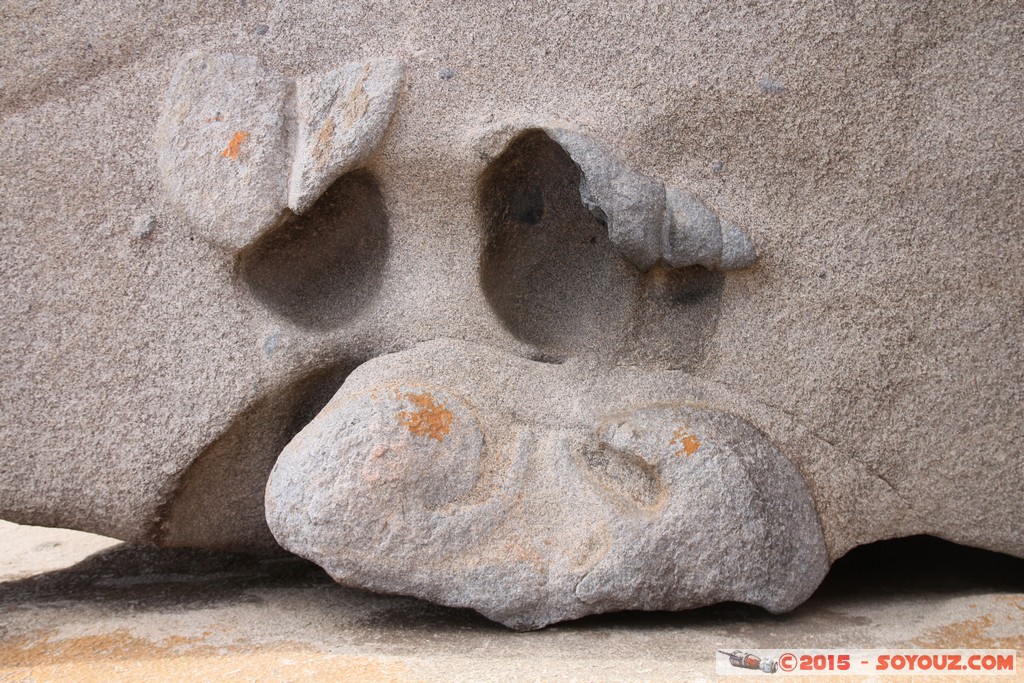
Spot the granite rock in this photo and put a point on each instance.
(462, 475)
(225, 139)
(223, 149)
(170, 324)
(343, 116)
(648, 223)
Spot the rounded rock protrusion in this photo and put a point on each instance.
(377, 470)
(735, 522)
(648, 222)
(694, 234)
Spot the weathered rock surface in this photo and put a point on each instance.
(649, 223)
(160, 351)
(224, 140)
(223, 149)
(342, 118)
(457, 474)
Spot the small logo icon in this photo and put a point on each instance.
(787, 661)
(745, 660)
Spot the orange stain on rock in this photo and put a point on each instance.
(322, 150)
(116, 645)
(120, 656)
(688, 442)
(358, 101)
(429, 419)
(981, 632)
(231, 151)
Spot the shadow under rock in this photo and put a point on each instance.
(159, 579)
(148, 577)
(144, 578)
(916, 566)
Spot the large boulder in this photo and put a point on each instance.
(534, 492)
(810, 214)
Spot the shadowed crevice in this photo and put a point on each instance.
(219, 500)
(140, 580)
(321, 269)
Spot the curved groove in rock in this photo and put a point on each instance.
(218, 502)
(623, 473)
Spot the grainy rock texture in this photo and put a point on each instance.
(343, 116)
(476, 479)
(647, 222)
(226, 135)
(222, 146)
(169, 326)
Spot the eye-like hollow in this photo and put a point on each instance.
(573, 261)
(320, 270)
(549, 270)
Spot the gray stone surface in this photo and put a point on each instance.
(632, 205)
(223, 148)
(342, 118)
(463, 476)
(872, 153)
(237, 143)
(647, 222)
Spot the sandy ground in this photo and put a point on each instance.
(78, 607)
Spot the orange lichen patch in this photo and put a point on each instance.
(969, 633)
(322, 149)
(116, 645)
(231, 151)
(430, 418)
(358, 101)
(684, 438)
(119, 656)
